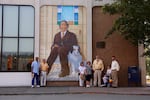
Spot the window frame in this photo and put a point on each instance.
(18, 37)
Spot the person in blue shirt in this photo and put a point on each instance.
(35, 67)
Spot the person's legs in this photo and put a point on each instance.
(92, 80)
(99, 77)
(44, 76)
(63, 54)
(37, 79)
(52, 57)
(88, 78)
(95, 78)
(115, 79)
(33, 80)
(81, 82)
(87, 83)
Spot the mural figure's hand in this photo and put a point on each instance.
(55, 46)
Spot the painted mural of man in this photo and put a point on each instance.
(62, 45)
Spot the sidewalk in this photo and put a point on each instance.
(73, 90)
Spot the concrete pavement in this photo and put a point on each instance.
(75, 97)
(73, 90)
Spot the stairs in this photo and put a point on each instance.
(62, 83)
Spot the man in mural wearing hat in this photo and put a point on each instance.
(62, 45)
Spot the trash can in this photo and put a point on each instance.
(133, 75)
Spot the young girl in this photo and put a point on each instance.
(82, 69)
(88, 73)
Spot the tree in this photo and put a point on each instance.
(133, 22)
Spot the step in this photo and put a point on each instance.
(62, 83)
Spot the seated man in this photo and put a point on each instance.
(63, 43)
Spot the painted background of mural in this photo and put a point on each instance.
(69, 13)
(49, 26)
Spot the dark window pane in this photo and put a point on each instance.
(25, 60)
(9, 61)
(9, 55)
(0, 20)
(0, 56)
(25, 53)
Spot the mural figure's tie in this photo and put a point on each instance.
(63, 34)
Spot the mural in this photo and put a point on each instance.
(64, 62)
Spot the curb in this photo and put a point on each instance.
(72, 90)
(64, 93)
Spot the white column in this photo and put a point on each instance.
(37, 32)
(89, 30)
(142, 64)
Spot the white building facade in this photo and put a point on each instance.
(27, 30)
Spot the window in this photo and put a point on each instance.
(9, 53)
(26, 21)
(0, 20)
(25, 53)
(0, 31)
(10, 21)
(16, 37)
(64, 11)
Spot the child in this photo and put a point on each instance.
(107, 76)
(88, 73)
(82, 69)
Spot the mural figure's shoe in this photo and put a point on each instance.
(63, 74)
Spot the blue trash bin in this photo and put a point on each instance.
(133, 75)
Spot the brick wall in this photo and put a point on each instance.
(126, 53)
